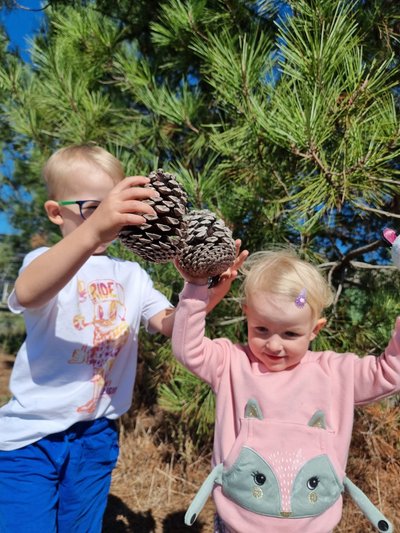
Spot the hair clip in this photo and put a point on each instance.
(389, 235)
(300, 300)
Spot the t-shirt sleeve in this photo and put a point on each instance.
(153, 301)
(13, 303)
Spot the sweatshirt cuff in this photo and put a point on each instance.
(396, 332)
(198, 292)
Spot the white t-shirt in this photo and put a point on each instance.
(78, 361)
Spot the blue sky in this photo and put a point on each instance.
(20, 24)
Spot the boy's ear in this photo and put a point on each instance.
(53, 212)
(318, 326)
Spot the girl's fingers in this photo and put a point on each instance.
(241, 259)
(241, 256)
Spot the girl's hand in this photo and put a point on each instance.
(226, 279)
(186, 277)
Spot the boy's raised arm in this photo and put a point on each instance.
(42, 279)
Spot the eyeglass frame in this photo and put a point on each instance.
(80, 203)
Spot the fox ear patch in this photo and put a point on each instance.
(318, 420)
(252, 410)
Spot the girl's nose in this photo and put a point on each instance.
(274, 344)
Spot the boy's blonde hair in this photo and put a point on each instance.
(58, 167)
(283, 273)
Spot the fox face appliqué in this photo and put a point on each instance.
(276, 490)
(283, 470)
(291, 478)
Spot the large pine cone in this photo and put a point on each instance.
(162, 238)
(210, 248)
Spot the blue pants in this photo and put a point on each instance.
(59, 484)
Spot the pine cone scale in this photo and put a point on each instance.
(210, 248)
(202, 243)
(161, 238)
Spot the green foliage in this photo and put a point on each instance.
(193, 403)
(12, 332)
(365, 319)
(287, 127)
(10, 260)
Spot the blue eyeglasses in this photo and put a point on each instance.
(86, 207)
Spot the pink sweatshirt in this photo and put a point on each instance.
(323, 382)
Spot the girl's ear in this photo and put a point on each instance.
(317, 328)
(53, 212)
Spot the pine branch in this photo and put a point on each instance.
(378, 211)
(19, 6)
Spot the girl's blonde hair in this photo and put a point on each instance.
(56, 170)
(283, 273)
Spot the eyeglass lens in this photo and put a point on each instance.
(87, 208)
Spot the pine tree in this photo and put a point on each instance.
(281, 117)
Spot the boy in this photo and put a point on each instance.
(74, 374)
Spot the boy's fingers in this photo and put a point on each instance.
(131, 181)
(136, 206)
(138, 193)
(134, 220)
(134, 187)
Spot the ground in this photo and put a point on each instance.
(151, 488)
(6, 364)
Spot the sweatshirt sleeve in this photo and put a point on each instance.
(378, 377)
(202, 356)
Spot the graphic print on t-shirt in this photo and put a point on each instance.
(102, 307)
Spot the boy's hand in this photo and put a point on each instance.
(123, 206)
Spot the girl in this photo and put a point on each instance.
(284, 414)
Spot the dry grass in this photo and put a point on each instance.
(374, 465)
(152, 487)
